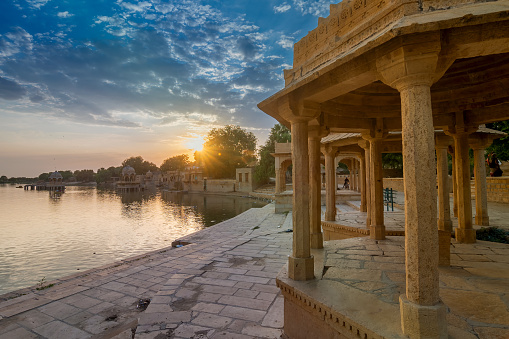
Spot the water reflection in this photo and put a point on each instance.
(211, 209)
(87, 227)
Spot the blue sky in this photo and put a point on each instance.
(88, 83)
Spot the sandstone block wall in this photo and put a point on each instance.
(221, 185)
(498, 189)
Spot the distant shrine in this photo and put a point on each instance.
(129, 181)
(55, 183)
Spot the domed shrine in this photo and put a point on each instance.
(129, 182)
(55, 182)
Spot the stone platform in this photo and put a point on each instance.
(360, 280)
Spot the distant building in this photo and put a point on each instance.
(129, 181)
(55, 182)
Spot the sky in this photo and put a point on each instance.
(85, 84)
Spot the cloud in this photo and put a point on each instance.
(65, 14)
(286, 42)
(284, 7)
(37, 3)
(247, 47)
(16, 41)
(183, 64)
(313, 7)
(10, 90)
(139, 7)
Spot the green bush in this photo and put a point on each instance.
(493, 234)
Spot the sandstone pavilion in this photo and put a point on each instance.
(428, 73)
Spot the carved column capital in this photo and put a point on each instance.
(377, 132)
(413, 65)
(443, 141)
(298, 111)
(330, 151)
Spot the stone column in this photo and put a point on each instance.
(411, 70)
(330, 181)
(421, 306)
(464, 232)
(362, 170)
(365, 145)
(444, 209)
(481, 196)
(454, 183)
(315, 192)
(300, 263)
(377, 227)
(336, 163)
(278, 177)
(355, 174)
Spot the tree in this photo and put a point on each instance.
(226, 149)
(84, 175)
(500, 146)
(44, 176)
(3, 179)
(392, 160)
(140, 166)
(66, 174)
(104, 175)
(178, 162)
(266, 167)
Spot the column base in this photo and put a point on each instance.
(377, 232)
(419, 321)
(317, 240)
(330, 215)
(444, 248)
(465, 236)
(301, 268)
(482, 221)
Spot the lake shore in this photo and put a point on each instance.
(222, 284)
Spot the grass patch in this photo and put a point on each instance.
(493, 234)
(41, 285)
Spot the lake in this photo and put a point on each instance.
(49, 237)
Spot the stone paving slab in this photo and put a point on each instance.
(221, 285)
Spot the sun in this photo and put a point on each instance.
(195, 143)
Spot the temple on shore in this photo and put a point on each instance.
(418, 76)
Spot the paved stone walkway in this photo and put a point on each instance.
(221, 285)
(474, 288)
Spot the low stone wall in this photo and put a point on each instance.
(283, 202)
(220, 186)
(195, 186)
(498, 189)
(396, 184)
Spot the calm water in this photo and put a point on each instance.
(42, 236)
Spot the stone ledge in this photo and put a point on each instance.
(334, 227)
(329, 303)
